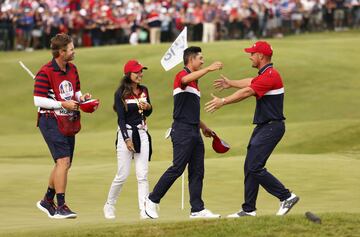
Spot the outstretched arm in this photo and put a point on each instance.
(198, 74)
(216, 103)
(225, 83)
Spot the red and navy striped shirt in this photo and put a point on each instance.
(53, 83)
(269, 92)
(186, 100)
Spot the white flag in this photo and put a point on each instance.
(175, 53)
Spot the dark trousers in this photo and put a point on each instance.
(262, 142)
(188, 149)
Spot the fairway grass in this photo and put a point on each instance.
(322, 182)
(318, 158)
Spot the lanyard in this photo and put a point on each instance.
(141, 111)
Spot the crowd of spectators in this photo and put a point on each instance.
(29, 24)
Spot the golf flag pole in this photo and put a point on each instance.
(182, 190)
(27, 70)
(174, 55)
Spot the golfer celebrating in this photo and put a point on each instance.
(57, 94)
(132, 105)
(268, 89)
(188, 146)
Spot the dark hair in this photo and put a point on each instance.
(124, 90)
(59, 42)
(190, 52)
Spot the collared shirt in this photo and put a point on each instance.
(269, 92)
(53, 83)
(186, 100)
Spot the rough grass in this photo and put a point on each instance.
(340, 224)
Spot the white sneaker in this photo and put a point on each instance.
(204, 214)
(241, 213)
(286, 205)
(150, 208)
(143, 215)
(109, 211)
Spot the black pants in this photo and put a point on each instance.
(188, 149)
(263, 141)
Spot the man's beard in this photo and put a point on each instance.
(69, 58)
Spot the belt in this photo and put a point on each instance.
(271, 122)
(48, 115)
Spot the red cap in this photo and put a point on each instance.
(89, 106)
(133, 66)
(260, 47)
(219, 145)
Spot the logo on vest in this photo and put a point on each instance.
(66, 90)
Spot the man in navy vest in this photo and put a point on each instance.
(188, 146)
(268, 89)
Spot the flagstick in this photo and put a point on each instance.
(27, 69)
(173, 57)
(182, 190)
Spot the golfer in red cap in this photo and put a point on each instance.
(268, 89)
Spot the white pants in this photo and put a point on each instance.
(208, 32)
(124, 157)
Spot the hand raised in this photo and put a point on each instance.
(215, 66)
(144, 105)
(214, 104)
(222, 83)
(85, 97)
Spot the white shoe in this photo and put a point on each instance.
(203, 214)
(109, 211)
(151, 208)
(241, 213)
(286, 205)
(143, 215)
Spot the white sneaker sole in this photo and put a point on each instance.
(145, 217)
(70, 216)
(109, 217)
(41, 208)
